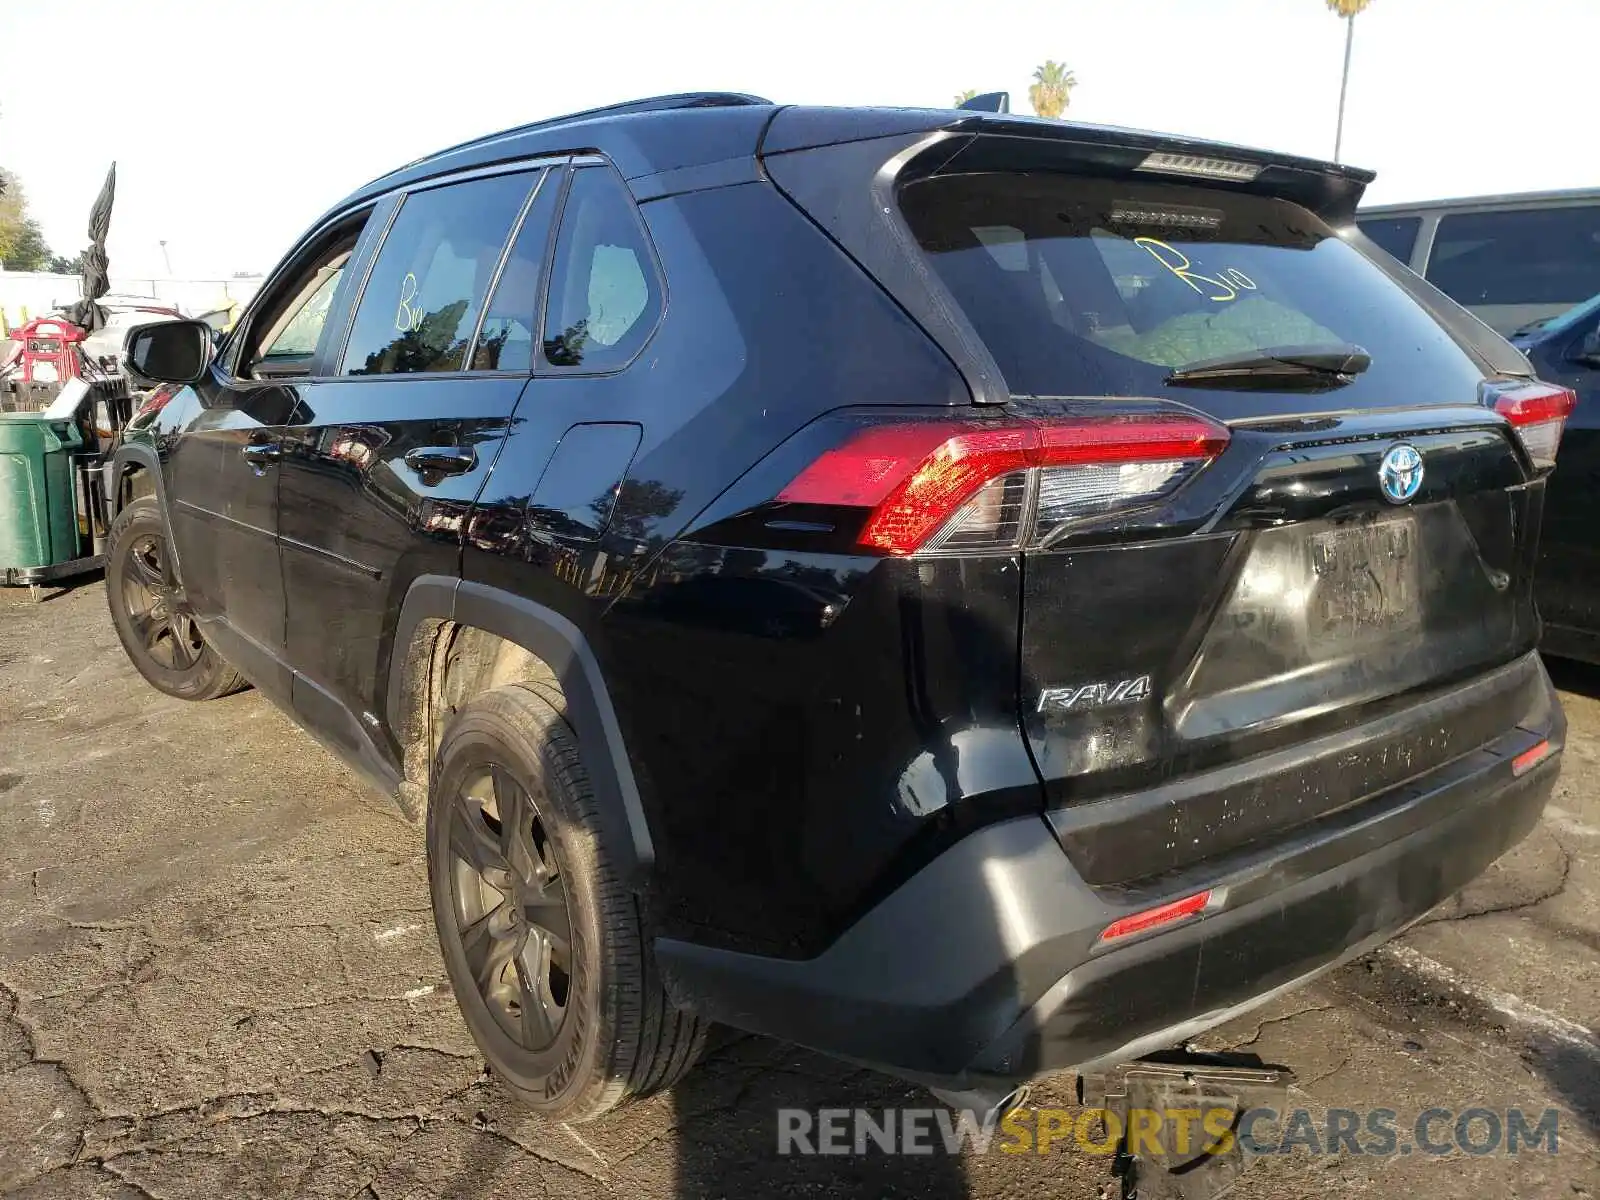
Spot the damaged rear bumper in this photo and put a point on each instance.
(986, 967)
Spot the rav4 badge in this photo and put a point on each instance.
(1094, 695)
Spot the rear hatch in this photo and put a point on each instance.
(1272, 499)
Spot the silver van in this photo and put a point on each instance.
(1513, 260)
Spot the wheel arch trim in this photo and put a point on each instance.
(562, 645)
(124, 460)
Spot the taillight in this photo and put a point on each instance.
(1538, 412)
(1002, 483)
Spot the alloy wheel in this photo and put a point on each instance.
(159, 620)
(511, 907)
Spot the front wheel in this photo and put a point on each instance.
(152, 621)
(541, 941)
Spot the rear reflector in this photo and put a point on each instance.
(1164, 914)
(1538, 412)
(965, 485)
(1531, 758)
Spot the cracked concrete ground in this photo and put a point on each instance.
(218, 978)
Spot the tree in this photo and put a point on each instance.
(22, 245)
(963, 97)
(430, 339)
(28, 249)
(60, 264)
(13, 211)
(1051, 90)
(638, 504)
(1349, 10)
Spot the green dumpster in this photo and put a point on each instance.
(38, 521)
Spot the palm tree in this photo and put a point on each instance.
(1051, 89)
(1348, 9)
(963, 97)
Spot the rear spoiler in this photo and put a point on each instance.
(983, 141)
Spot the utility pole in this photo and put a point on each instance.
(166, 258)
(1344, 84)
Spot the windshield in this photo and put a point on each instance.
(1559, 324)
(1084, 287)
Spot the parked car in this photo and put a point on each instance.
(1514, 261)
(104, 345)
(1149, 574)
(1566, 350)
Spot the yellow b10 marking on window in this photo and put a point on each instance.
(1223, 287)
(406, 318)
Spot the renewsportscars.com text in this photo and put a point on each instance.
(1178, 1131)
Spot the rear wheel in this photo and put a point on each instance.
(154, 624)
(541, 940)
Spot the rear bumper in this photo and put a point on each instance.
(984, 966)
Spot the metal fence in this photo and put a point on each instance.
(27, 294)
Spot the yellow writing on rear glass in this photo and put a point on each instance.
(1222, 287)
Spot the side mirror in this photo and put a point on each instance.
(170, 351)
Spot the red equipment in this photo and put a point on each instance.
(49, 351)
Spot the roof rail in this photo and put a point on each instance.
(648, 104)
(661, 103)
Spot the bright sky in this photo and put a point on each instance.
(234, 123)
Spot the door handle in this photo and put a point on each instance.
(442, 460)
(261, 455)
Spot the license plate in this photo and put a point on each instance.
(1365, 579)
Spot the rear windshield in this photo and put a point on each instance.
(1086, 287)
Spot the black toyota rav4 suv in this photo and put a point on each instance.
(970, 594)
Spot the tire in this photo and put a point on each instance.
(158, 633)
(565, 1005)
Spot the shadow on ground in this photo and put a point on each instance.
(728, 1145)
(1570, 675)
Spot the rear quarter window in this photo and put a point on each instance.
(605, 296)
(1085, 287)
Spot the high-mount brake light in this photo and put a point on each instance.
(1200, 166)
(998, 484)
(1538, 412)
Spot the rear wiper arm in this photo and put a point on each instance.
(1332, 365)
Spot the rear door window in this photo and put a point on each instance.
(426, 289)
(1397, 235)
(511, 320)
(1548, 256)
(1084, 287)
